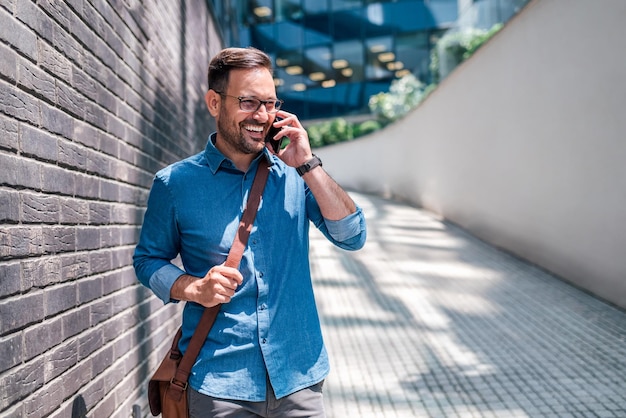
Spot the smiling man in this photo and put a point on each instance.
(264, 356)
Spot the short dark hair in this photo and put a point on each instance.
(230, 59)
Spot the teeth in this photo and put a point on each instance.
(254, 128)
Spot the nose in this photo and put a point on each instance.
(261, 115)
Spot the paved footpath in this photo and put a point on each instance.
(427, 321)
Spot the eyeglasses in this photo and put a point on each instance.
(251, 104)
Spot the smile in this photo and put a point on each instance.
(253, 128)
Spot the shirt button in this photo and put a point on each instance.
(264, 340)
(263, 307)
(260, 274)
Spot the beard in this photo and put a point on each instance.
(234, 137)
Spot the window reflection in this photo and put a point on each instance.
(331, 55)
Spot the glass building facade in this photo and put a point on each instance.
(330, 56)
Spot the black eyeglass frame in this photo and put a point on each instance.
(277, 102)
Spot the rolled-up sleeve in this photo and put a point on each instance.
(351, 230)
(163, 279)
(348, 233)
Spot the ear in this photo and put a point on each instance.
(213, 102)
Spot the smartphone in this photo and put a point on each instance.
(276, 144)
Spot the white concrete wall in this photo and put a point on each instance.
(523, 145)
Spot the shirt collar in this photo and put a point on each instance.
(216, 160)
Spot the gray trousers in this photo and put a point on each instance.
(306, 403)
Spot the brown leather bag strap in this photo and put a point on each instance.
(179, 382)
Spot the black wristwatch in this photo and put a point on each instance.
(309, 165)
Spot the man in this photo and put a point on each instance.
(264, 355)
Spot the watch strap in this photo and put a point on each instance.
(309, 165)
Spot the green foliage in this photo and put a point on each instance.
(404, 94)
(338, 130)
(455, 47)
(366, 127)
(330, 132)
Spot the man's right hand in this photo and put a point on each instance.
(217, 286)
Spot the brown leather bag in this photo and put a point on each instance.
(158, 387)
(167, 389)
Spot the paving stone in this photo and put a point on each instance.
(428, 321)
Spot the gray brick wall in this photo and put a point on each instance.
(96, 96)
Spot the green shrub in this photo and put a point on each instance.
(455, 47)
(404, 94)
(366, 127)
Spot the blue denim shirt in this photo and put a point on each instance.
(270, 328)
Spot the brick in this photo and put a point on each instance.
(86, 186)
(12, 351)
(36, 80)
(91, 65)
(8, 62)
(101, 310)
(35, 18)
(111, 283)
(76, 379)
(18, 35)
(46, 400)
(20, 312)
(130, 235)
(86, 135)
(109, 145)
(73, 211)
(17, 171)
(60, 359)
(96, 115)
(59, 239)
(40, 272)
(9, 206)
(100, 261)
(73, 155)
(123, 214)
(130, 194)
(85, 34)
(5, 244)
(20, 382)
(89, 342)
(87, 238)
(74, 266)
(117, 128)
(11, 278)
(60, 298)
(98, 163)
(84, 83)
(59, 11)
(22, 241)
(71, 101)
(39, 208)
(40, 338)
(109, 238)
(89, 290)
(109, 191)
(99, 213)
(57, 180)
(35, 142)
(10, 133)
(106, 99)
(69, 47)
(56, 121)
(18, 104)
(102, 360)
